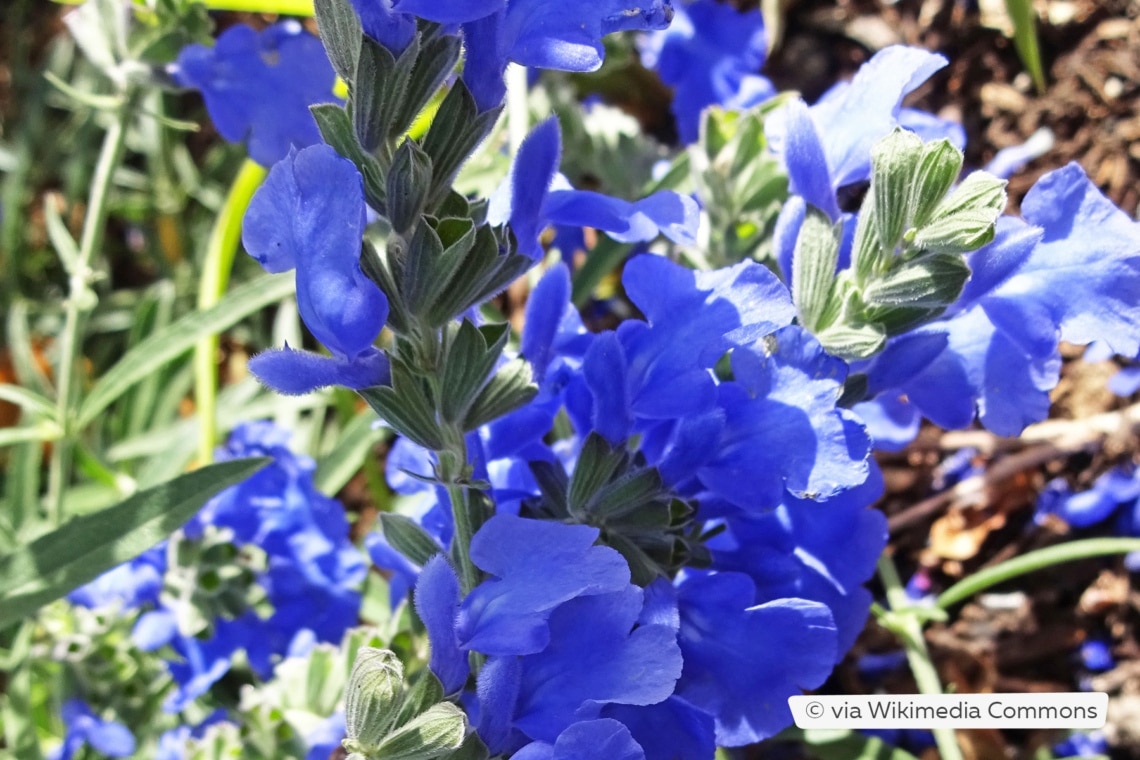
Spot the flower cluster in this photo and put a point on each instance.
(265, 569)
(635, 542)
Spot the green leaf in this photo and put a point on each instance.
(813, 267)
(45, 431)
(457, 128)
(378, 90)
(437, 59)
(937, 170)
(409, 177)
(408, 538)
(88, 546)
(373, 694)
(963, 231)
(457, 237)
(168, 344)
(405, 407)
(432, 734)
(353, 444)
(510, 388)
(597, 463)
(851, 342)
(977, 192)
(893, 161)
(471, 356)
(28, 400)
(1025, 39)
(932, 281)
(421, 691)
(341, 34)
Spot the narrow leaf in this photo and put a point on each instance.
(408, 538)
(813, 267)
(88, 546)
(168, 344)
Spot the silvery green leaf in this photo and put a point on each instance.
(867, 255)
(100, 29)
(963, 231)
(978, 191)
(893, 160)
(341, 34)
(851, 342)
(938, 168)
(372, 697)
(405, 406)
(456, 130)
(377, 92)
(456, 238)
(421, 691)
(813, 267)
(931, 281)
(432, 734)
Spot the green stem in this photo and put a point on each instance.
(80, 302)
(1033, 561)
(461, 542)
(220, 253)
(917, 655)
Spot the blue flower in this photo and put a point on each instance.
(586, 636)
(392, 29)
(545, 34)
(586, 740)
(309, 216)
(1090, 744)
(743, 660)
(807, 550)
(534, 196)
(995, 353)
(508, 614)
(259, 86)
(834, 137)
(83, 727)
(596, 657)
(129, 586)
(710, 55)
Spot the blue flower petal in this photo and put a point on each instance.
(437, 603)
(595, 657)
(537, 565)
(743, 661)
(296, 373)
(586, 740)
(260, 86)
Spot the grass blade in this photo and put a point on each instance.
(1025, 39)
(168, 344)
(87, 546)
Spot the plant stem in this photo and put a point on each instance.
(1033, 561)
(81, 300)
(220, 252)
(917, 655)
